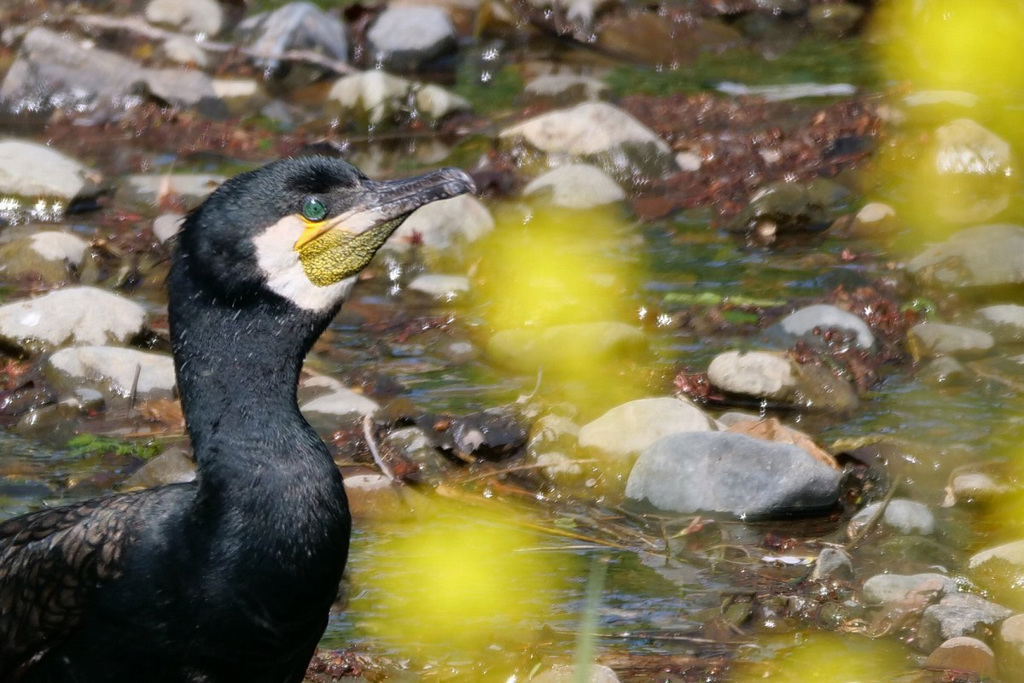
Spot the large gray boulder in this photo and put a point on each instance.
(75, 316)
(733, 473)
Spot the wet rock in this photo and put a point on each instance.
(114, 370)
(80, 316)
(192, 16)
(406, 38)
(833, 563)
(723, 472)
(1005, 322)
(789, 207)
(326, 402)
(377, 97)
(190, 188)
(30, 170)
(576, 186)
(1011, 643)
(494, 433)
(945, 371)
(904, 516)
(186, 88)
(626, 430)
(88, 399)
(566, 673)
(173, 466)
(167, 225)
(885, 588)
(296, 26)
(776, 377)
(975, 172)
(963, 655)
(597, 133)
(52, 423)
(53, 70)
(1004, 563)
(959, 614)
(986, 255)
(789, 8)
(836, 19)
(239, 95)
(810, 323)
(564, 89)
(755, 373)
(444, 287)
(413, 444)
(51, 256)
(561, 346)
(654, 39)
(185, 51)
(444, 224)
(373, 496)
(976, 487)
(935, 339)
(875, 220)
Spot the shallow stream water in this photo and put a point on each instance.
(649, 604)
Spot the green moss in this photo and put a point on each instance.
(93, 444)
(820, 61)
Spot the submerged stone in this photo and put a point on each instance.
(52, 256)
(982, 256)
(904, 516)
(443, 224)
(576, 186)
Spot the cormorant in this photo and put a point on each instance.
(230, 577)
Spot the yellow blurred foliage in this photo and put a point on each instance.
(545, 268)
(959, 70)
(827, 658)
(456, 577)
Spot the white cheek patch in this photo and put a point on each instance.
(279, 261)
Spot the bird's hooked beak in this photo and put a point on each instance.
(340, 246)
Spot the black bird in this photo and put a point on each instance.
(228, 578)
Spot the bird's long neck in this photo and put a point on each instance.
(238, 364)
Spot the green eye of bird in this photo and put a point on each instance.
(313, 209)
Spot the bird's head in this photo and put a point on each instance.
(302, 228)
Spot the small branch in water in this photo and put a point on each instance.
(871, 523)
(371, 442)
(133, 394)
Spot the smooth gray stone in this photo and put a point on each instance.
(406, 38)
(81, 316)
(883, 588)
(725, 472)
